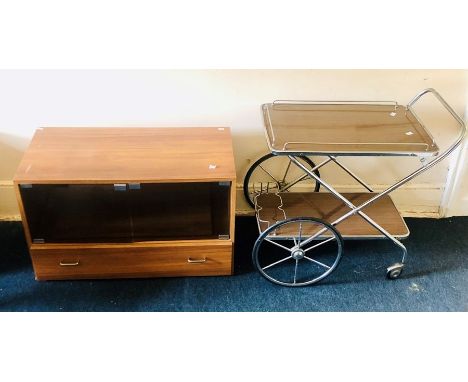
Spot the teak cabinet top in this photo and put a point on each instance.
(112, 155)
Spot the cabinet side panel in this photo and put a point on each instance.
(24, 220)
(233, 209)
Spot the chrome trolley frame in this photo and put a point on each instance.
(280, 145)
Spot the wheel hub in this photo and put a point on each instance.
(298, 254)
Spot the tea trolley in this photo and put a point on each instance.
(301, 233)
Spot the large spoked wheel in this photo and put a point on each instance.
(298, 251)
(276, 173)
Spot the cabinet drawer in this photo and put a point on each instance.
(53, 263)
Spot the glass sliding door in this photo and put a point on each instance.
(105, 213)
(180, 211)
(73, 213)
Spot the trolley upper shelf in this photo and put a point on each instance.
(345, 128)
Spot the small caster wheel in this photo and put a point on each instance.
(394, 271)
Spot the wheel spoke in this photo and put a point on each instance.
(286, 172)
(295, 270)
(317, 234)
(278, 245)
(295, 241)
(319, 244)
(317, 262)
(287, 186)
(277, 262)
(272, 177)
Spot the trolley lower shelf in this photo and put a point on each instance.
(272, 208)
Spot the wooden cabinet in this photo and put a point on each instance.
(128, 202)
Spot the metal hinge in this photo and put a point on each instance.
(134, 186)
(38, 241)
(25, 185)
(223, 237)
(224, 184)
(120, 187)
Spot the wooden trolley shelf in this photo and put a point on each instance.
(327, 207)
(346, 129)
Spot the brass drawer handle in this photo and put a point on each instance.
(190, 260)
(69, 264)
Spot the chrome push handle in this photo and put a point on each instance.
(456, 143)
(442, 101)
(434, 161)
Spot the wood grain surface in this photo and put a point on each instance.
(124, 261)
(125, 155)
(87, 156)
(325, 206)
(354, 129)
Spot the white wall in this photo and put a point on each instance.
(29, 99)
(456, 202)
